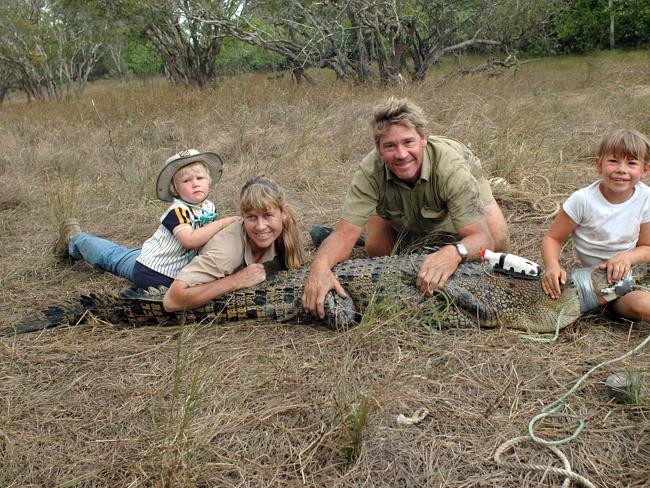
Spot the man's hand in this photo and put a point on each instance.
(318, 283)
(552, 281)
(437, 269)
(320, 280)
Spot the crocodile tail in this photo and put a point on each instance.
(64, 313)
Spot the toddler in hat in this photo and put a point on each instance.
(188, 223)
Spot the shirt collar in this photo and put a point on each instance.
(269, 254)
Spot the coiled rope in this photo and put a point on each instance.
(566, 471)
(552, 409)
(543, 203)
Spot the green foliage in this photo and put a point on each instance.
(633, 23)
(47, 45)
(142, 59)
(237, 56)
(584, 26)
(355, 421)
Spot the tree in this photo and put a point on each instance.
(46, 45)
(26, 48)
(412, 36)
(585, 25)
(348, 35)
(305, 33)
(187, 46)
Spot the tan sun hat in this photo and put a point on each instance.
(181, 159)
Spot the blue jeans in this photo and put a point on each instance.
(104, 254)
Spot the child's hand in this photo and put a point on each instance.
(617, 267)
(552, 282)
(226, 221)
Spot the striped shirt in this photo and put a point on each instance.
(162, 252)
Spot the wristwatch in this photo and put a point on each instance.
(462, 251)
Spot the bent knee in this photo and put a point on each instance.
(379, 237)
(635, 305)
(378, 248)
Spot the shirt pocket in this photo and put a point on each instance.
(433, 215)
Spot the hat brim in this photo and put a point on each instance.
(212, 160)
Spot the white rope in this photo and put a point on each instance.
(418, 416)
(565, 472)
(553, 409)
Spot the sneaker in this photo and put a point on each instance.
(319, 233)
(69, 228)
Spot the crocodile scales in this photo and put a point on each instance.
(473, 296)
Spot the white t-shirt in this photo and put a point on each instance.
(606, 229)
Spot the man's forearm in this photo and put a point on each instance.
(477, 239)
(475, 244)
(338, 245)
(498, 227)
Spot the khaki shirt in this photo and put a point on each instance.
(451, 193)
(225, 253)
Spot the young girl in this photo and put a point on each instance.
(609, 221)
(187, 224)
(233, 259)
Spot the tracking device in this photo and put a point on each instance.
(511, 264)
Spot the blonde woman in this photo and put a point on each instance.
(234, 258)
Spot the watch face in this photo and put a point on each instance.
(462, 250)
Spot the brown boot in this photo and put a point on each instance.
(69, 228)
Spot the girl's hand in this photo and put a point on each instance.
(617, 267)
(552, 282)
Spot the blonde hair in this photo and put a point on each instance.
(262, 193)
(397, 111)
(192, 168)
(625, 142)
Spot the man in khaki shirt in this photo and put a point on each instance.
(411, 186)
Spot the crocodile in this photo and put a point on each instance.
(474, 296)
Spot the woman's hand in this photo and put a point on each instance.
(251, 275)
(181, 296)
(552, 281)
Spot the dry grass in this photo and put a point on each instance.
(276, 405)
